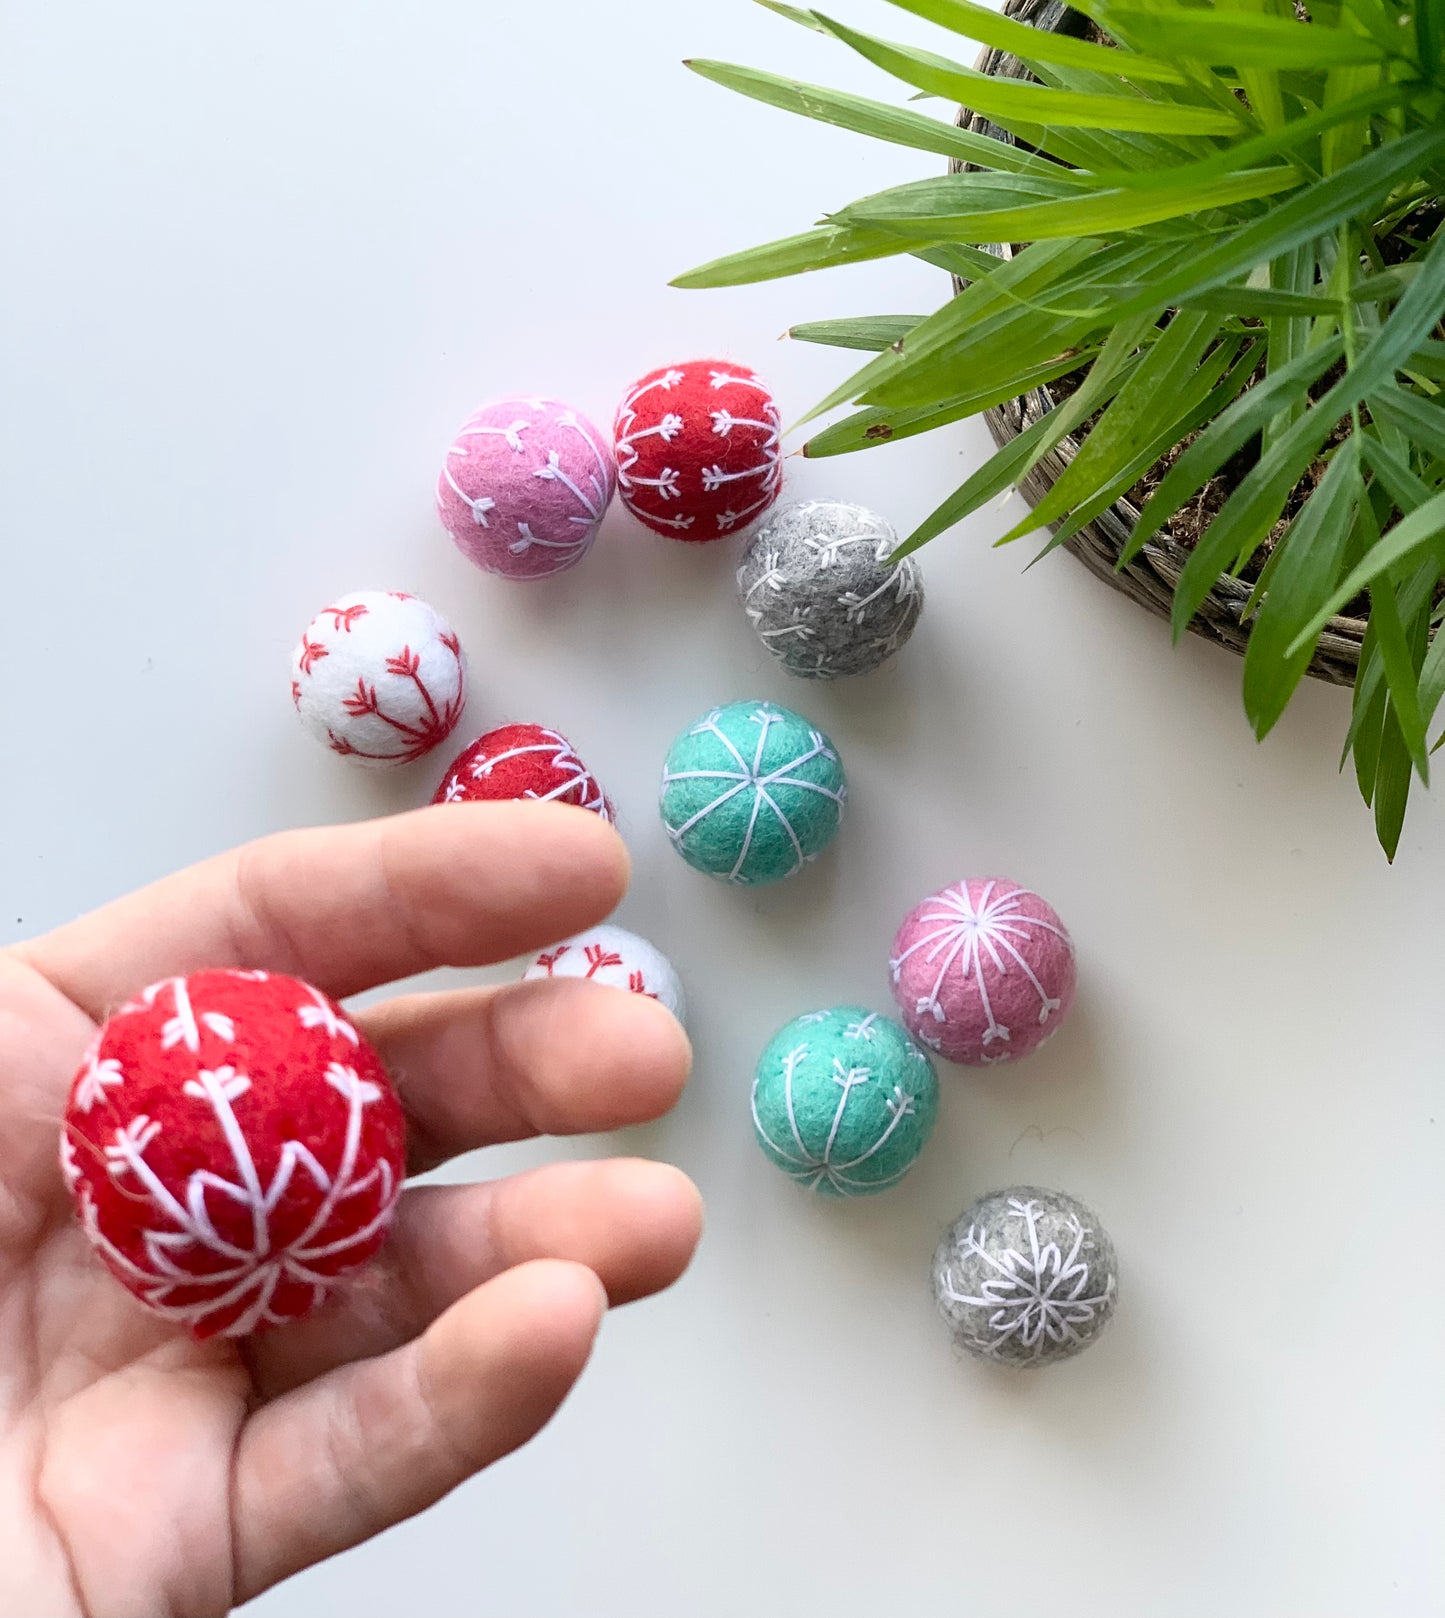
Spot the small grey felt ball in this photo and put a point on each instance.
(816, 584)
(1026, 1277)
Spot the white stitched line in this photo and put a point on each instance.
(553, 472)
(569, 419)
(790, 1063)
(747, 776)
(768, 1139)
(848, 1079)
(480, 506)
(973, 930)
(799, 858)
(730, 519)
(1031, 1285)
(903, 1109)
(748, 838)
(512, 432)
(723, 379)
(713, 477)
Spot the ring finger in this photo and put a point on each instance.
(633, 1223)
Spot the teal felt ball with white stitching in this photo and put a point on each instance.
(752, 792)
(844, 1101)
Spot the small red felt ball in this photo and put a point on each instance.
(698, 455)
(522, 761)
(234, 1148)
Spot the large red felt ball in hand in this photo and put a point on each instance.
(234, 1148)
(697, 445)
(522, 761)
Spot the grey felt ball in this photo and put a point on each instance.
(1025, 1277)
(817, 586)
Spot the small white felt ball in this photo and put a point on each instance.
(614, 956)
(380, 677)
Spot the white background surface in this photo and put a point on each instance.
(260, 262)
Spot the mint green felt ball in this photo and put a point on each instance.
(752, 792)
(844, 1101)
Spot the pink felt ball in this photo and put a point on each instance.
(983, 971)
(524, 486)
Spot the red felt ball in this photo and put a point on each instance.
(234, 1148)
(522, 761)
(698, 455)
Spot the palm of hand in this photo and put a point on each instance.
(143, 1472)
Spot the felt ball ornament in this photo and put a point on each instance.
(817, 587)
(522, 761)
(1026, 1277)
(380, 677)
(983, 971)
(698, 452)
(234, 1149)
(524, 487)
(752, 792)
(614, 956)
(843, 1101)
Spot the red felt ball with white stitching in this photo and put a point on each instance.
(698, 454)
(234, 1149)
(522, 761)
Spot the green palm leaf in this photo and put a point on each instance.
(1220, 223)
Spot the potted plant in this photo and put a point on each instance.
(1199, 279)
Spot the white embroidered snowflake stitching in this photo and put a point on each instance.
(1038, 1297)
(413, 708)
(240, 1273)
(96, 1077)
(184, 1028)
(749, 776)
(765, 597)
(580, 781)
(667, 484)
(812, 1169)
(592, 503)
(321, 1014)
(968, 934)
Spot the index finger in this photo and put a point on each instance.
(349, 907)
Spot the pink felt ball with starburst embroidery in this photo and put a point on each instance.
(234, 1149)
(982, 971)
(524, 487)
(379, 676)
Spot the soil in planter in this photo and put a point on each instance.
(1193, 518)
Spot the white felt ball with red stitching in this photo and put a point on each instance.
(380, 677)
(613, 956)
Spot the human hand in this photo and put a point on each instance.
(146, 1473)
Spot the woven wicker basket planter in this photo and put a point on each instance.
(1149, 577)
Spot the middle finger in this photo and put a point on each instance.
(475, 1067)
